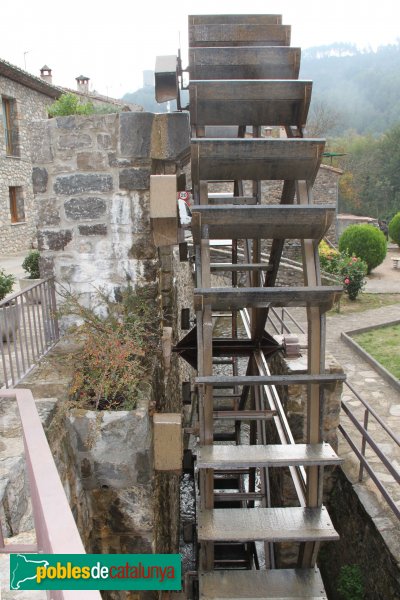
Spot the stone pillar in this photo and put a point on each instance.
(91, 179)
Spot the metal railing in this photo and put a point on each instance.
(55, 527)
(28, 330)
(366, 438)
(282, 325)
(278, 321)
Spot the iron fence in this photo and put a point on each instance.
(284, 323)
(28, 330)
(367, 441)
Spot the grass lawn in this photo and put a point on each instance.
(364, 302)
(383, 344)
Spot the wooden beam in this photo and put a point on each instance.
(262, 222)
(257, 159)
(257, 102)
(244, 63)
(234, 34)
(237, 298)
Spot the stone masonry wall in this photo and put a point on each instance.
(91, 178)
(16, 171)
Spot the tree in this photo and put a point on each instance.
(69, 104)
(322, 119)
(394, 229)
(370, 185)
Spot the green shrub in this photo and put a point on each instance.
(31, 264)
(394, 229)
(70, 104)
(350, 583)
(365, 242)
(6, 283)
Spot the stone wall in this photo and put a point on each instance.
(16, 171)
(91, 179)
(368, 541)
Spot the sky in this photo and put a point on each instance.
(113, 42)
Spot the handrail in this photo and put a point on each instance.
(56, 530)
(28, 329)
(281, 321)
(366, 438)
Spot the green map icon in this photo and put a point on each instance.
(23, 569)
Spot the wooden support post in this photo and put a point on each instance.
(315, 367)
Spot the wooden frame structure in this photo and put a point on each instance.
(243, 73)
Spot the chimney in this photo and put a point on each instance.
(45, 74)
(82, 84)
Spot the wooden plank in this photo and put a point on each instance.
(228, 496)
(245, 415)
(269, 524)
(239, 267)
(236, 298)
(235, 34)
(263, 221)
(273, 455)
(257, 159)
(237, 19)
(244, 63)
(216, 199)
(220, 381)
(257, 102)
(276, 584)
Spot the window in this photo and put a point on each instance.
(17, 209)
(10, 128)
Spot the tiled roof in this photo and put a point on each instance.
(35, 83)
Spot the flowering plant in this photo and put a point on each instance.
(353, 271)
(350, 270)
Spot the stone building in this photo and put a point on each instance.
(93, 201)
(24, 98)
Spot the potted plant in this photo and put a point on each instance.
(31, 266)
(8, 310)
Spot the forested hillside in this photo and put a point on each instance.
(361, 88)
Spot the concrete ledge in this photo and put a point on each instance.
(384, 373)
